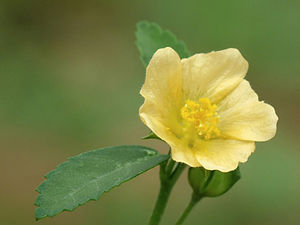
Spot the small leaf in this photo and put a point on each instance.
(151, 37)
(88, 175)
(212, 183)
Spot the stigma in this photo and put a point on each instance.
(202, 116)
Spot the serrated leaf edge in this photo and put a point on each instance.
(99, 195)
(161, 31)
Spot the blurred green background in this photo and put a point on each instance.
(69, 80)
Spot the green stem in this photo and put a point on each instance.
(194, 200)
(160, 205)
(167, 182)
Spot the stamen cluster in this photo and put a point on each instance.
(202, 116)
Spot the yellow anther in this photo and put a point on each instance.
(202, 116)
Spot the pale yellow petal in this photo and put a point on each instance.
(223, 154)
(153, 118)
(162, 91)
(181, 152)
(244, 117)
(163, 83)
(213, 74)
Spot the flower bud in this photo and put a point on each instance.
(211, 183)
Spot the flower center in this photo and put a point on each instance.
(202, 116)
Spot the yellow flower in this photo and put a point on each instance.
(204, 108)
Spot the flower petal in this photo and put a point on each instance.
(153, 119)
(163, 84)
(213, 74)
(181, 152)
(162, 91)
(244, 117)
(151, 116)
(223, 154)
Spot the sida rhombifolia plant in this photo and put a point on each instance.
(200, 105)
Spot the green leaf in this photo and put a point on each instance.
(88, 175)
(151, 37)
(212, 183)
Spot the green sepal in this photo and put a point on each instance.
(206, 183)
(150, 37)
(199, 178)
(151, 135)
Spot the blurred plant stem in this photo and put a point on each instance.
(194, 200)
(169, 174)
